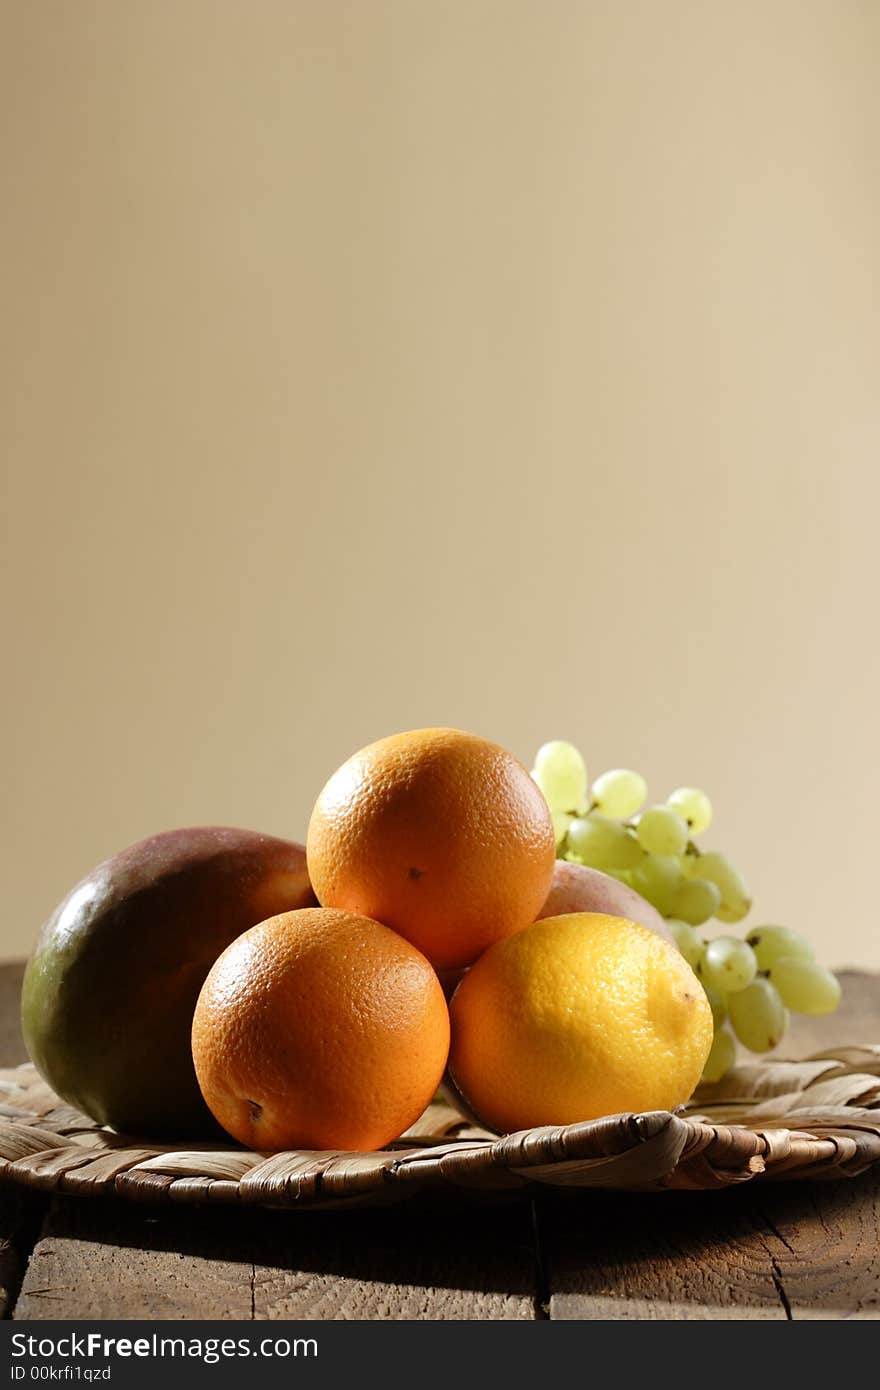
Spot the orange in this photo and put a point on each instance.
(439, 834)
(319, 1029)
(577, 1017)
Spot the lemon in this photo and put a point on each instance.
(576, 1017)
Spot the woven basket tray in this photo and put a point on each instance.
(819, 1118)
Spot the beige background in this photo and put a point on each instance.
(379, 363)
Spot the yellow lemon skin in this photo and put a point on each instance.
(577, 1017)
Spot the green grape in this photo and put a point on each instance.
(729, 965)
(688, 941)
(690, 864)
(603, 844)
(722, 1055)
(730, 913)
(695, 901)
(622, 876)
(694, 805)
(805, 986)
(718, 1005)
(619, 794)
(770, 943)
(735, 900)
(662, 831)
(561, 821)
(758, 1015)
(562, 776)
(656, 878)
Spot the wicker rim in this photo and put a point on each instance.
(818, 1118)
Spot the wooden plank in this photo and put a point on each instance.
(430, 1259)
(110, 1260)
(659, 1256)
(765, 1252)
(21, 1215)
(824, 1244)
(774, 1251)
(106, 1259)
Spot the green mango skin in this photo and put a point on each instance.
(109, 992)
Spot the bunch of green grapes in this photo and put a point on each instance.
(750, 983)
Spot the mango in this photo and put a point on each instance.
(110, 989)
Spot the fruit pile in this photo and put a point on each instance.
(315, 997)
(749, 983)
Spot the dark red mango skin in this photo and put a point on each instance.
(110, 989)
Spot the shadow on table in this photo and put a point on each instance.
(419, 1258)
(794, 1249)
(760, 1250)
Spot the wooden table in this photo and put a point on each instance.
(798, 1250)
